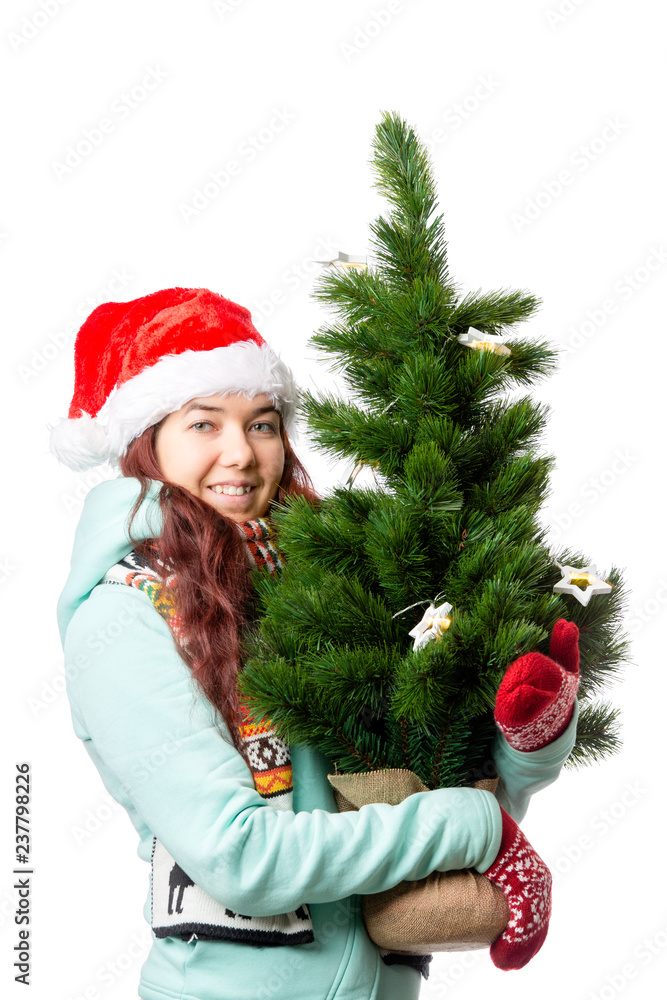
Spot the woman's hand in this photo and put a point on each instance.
(535, 699)
(525, 881)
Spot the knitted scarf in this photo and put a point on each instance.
(179, 908)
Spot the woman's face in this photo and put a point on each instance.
(226, 450)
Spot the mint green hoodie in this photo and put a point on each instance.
(154, 739)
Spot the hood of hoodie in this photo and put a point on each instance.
(101, 538)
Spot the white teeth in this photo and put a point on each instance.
(232, 491)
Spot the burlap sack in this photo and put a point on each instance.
(448, 911)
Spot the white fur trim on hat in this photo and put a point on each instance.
(80, 444)
(243, 367)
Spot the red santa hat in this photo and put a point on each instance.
(136, 362)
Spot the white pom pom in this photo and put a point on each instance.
(80, 444)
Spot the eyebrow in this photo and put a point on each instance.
(219, 409)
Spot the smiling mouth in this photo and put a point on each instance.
(231, 491)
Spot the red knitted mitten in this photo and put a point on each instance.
(535, 699)
(525, 881)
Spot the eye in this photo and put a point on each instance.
(264, 427)
(200, 424)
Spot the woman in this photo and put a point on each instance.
(254, 885)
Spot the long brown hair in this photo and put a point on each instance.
(208, 555)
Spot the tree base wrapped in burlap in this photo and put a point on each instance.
(448, 911)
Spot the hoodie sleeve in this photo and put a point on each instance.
(522, 774)
(133, 700)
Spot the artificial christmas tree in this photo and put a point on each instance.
(451, 523)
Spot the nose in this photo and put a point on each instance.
(235, 448)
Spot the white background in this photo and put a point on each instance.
(510, 95)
